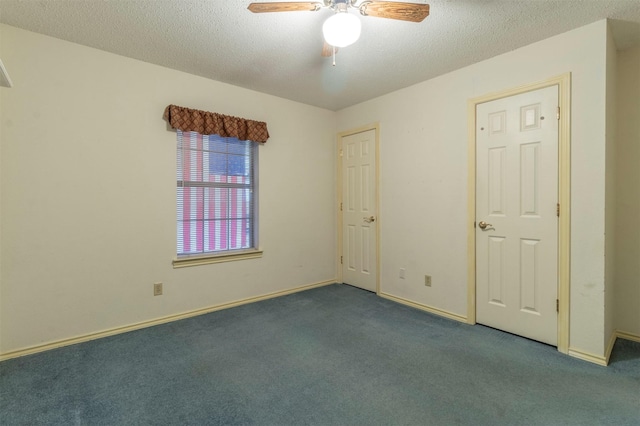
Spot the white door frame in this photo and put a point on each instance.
(341, 135)
(564, 198)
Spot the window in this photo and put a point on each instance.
(216, 195)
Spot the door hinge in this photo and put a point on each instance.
(474, 225)
(558, 114)
(341, 260)
(557, 305)
(340, 206)
(558, 209)
(340, 153)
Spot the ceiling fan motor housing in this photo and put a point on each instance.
(339, 5)
(343, 28)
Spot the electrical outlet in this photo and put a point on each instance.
(427, 280)
(402, 273)
(157, 289)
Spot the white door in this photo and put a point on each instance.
(359, 215)
(516, 214)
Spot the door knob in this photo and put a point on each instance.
(484, 225)
(369, 219)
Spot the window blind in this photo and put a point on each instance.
(215, 195)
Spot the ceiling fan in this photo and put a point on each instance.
(343, 28)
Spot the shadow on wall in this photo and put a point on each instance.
(626, 34)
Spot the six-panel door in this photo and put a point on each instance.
(359, 215)
(516, 196)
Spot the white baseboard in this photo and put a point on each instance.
(596, 359)
(609, 348)
(163, 320)
(628, 336)
(604, 360)
(585, 356)
(430, 309)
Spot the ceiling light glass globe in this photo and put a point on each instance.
(341, 30)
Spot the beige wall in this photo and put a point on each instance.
(610, 188)
(627, 303)
(88, 201)
(423, 163)
(88, 193)
(2, 89)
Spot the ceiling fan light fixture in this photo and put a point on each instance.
(342, 29)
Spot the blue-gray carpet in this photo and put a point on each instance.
(329, 356)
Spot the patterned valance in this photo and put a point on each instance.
(211, 123)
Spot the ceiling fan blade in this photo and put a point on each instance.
(413, 12)
(296, 6)
(327, 50)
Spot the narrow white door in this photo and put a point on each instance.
(516, 214)
(359, 215)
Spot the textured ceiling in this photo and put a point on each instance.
(279, 53)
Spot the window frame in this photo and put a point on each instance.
(210, 257)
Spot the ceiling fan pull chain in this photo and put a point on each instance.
(334, 55)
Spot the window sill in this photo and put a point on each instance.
(215, 258)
